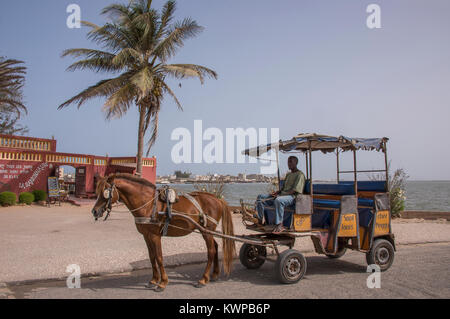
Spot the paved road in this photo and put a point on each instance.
(38, 243)
(419, 271)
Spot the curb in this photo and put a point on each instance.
(425, 214)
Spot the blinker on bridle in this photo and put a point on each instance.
(109, 202)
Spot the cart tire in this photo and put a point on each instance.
(381, 254)
(252, 256)
(290, 266)
(339, 253)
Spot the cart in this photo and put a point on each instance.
(345, 215)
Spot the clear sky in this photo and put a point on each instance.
(301, 66)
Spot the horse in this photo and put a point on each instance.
(142, 199)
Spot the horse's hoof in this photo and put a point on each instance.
(159, 289)
(199, 285)
(149, 285)
(214, 278)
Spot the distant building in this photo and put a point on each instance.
(242, 177)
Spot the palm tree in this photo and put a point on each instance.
(11, 82)
(137, 44)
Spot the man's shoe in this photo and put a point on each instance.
(278, 229)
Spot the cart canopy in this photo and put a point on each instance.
(324, 143)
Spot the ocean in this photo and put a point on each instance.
(420, 195)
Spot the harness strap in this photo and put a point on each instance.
(165, 229)
(199, 208)
(154, 216)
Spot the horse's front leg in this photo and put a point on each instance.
(151, 253)
(156, 242)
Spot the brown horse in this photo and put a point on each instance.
(139, 196)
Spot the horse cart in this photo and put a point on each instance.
(344, 215)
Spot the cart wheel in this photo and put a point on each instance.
(341, 252)
(251, 256)
(381, 254)
(290, 266)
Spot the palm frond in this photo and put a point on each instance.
(182, 31)
(103, 88)
(120, 101)
(174, 97)
(12, 80)
(181, 71)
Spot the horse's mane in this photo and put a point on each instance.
(133, 178)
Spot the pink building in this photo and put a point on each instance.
(27, 162)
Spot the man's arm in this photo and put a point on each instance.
(298, 186)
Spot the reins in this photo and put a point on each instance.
(109, 202)
(152, 219)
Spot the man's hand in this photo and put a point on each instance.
(275, 194)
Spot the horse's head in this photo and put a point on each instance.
(107, 194)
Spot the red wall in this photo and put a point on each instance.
(20, 176)
(23, 175)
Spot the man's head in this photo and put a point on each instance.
(292, 162)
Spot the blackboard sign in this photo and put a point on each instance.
(53, 187)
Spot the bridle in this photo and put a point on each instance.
(108, 206)
(109, 202)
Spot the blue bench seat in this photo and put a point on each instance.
(321, 216)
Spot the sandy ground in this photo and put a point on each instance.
(39, 243)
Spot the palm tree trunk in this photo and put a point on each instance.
(141, 134)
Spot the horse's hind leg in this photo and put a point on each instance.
(211, 255)
(216, 271)
(151, 254)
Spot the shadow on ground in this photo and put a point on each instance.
(189, 275)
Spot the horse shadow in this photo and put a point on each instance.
(188, 275)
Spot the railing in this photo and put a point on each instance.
(25, 144)
(148, 163)
(19, 156)
(67, 159)
(145, 162)
(123, 161)
(70, 159)
(100, 162)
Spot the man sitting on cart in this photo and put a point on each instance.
(293, 185)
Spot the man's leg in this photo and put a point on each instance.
(261, 202)
(280, 203)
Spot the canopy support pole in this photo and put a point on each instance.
(307, 165)
(386, 166)
(355, 173)
(278, 170)
(337, 164)
(310, 171)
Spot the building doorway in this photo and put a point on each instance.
(80, 181)
(66, 178)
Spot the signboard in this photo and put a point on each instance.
(53, 187)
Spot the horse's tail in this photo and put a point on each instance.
(229, 247)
